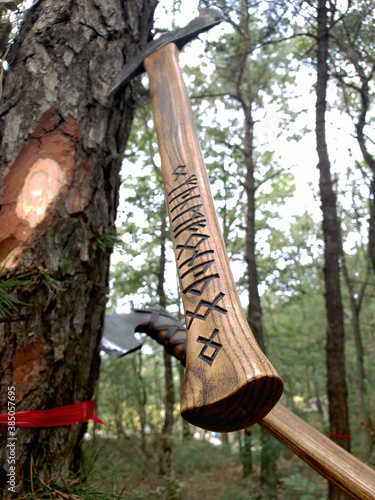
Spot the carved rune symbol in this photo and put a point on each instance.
(186, 246)
(191, 182)
(211, 306)
(209, 343)
(179, 171)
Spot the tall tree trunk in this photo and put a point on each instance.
(336, 382)
(365, 100)
(365, 423)
(165, 462)
(254, 314)
(245, 452)
(142, 399)
(186, 434)
(371, 239)
(62, 142)
(370, 161)
(268, 460)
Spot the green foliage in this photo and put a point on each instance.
(196, 456)
(173, 489)
(105, 241)
(55, 287)
(9, 303)
(142, 225)
(301, 488)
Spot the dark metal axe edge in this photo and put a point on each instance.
(118, 335)
(180, 37)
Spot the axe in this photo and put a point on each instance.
(229, 382)
(118, 335)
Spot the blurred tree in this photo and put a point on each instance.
(352, 64)
(336, 380)
(248, 72)
(147, 275)
(356, 268)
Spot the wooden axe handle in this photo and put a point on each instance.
(327, 458)
(229, 382)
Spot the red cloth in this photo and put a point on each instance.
(343, 436)
(65, 415)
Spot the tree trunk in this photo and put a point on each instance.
(166, 459)
(359, 377)
(245, 452)
(254, 315)
(61, 150)
(370, 161)
(268, 462)
(186, 434)
(142, 399)
(268, 474)
(336, 382)
(371, 239)
(365, 100)
(165, 462)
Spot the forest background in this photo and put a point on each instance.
(253, 86)
(283, 95)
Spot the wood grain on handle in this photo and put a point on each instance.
(229, 383)
(331, 461)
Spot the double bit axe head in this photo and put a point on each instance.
(180, 37)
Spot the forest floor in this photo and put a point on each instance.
(199, 471)
(118, 469)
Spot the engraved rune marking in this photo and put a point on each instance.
(194, 287)
(211, 306)
(199, 269)
(194, 210)
(193, 258)
(184, 203)
(190, 226)
(209, 343)
(189, 216)
(184, 194)
(190, 181)
(179, 171)
(186, 246)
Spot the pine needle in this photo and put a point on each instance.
(8, 302)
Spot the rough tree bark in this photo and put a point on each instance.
(336, 381)
(62, 143)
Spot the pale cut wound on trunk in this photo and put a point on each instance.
(33, 182)
(41, 186)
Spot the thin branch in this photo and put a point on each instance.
(268, 178)
(215, 96)
(295, 35)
